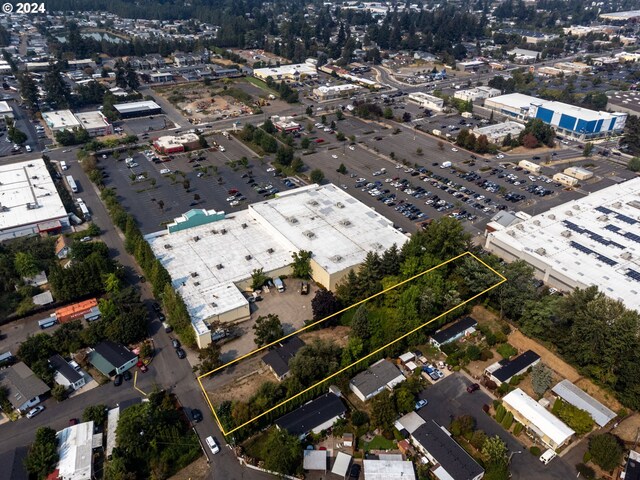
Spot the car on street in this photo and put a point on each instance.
(271, 169)
(334, 156)
(181, 353)
(473, 387)
(351, 147)
(126, 375)
(143, 368)
(213, 446)
(196, 415)
(454, 149)
(165, 171)
(421, 403)
(175, 343)
(73, 421)
(35, 411)
(355, 471)
(117, 381)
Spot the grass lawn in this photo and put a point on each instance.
(378, 443)
(255, 446)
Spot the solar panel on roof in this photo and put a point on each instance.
(612, 228)
(625, 219)
(633, 274)
(604, 210)
(632, 236)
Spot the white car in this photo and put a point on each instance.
(235, 203)
(500, 155)
(221, 148)
(454, 149)
(231, 199)
(85, 239)
(141, 177)
(361, 180)
(35, 411)
(327, 129)
(213, 446)
(334, 156)
(271, 169)
(27, 148)
(132, 165)
(165, 171)
(351, 147)
(128, 160)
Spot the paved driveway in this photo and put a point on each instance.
(449, 397)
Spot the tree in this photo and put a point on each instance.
(419, 151)
(406, 117)
(440, 145)
(285, 452)
(43, 456)
(29, 90)
(541, 378)
(161, 205)
(405, 401)
(302, 264)
(324, 303)
(315, 362)
(634, 164)
(606, 451)
(387, 113)
(304, 143)
(269, 127)
(360, 325)
(209, 358)
(495, 450)
(513, 294)
(339, 115)
(25, 265)
(267, 330)
(383, 411)
(258, 279)
(316, 176)
(59, 392)
(359, 418)
(186, 184)
(588, 149)
(342, 169)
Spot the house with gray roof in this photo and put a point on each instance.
(382, 374)
(66, 375)
(25, 388)
(111, 358)
(577, 397)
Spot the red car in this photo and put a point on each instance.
(143, 368)
(473, 387)
(319, 140)
(73, 421)
(233, 191)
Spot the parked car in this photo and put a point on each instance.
(126, 375)
(35, 411)
(73, 421)
(175, 343)
(196, 415)
(304, 288)
(473, 387)
(213, 446)
(143, 368)
(421, 403)
(181, 353)
(355, 471)
(117, 381)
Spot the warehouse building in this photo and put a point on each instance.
(537, 420)
(286, 72)
(210, 276)
(594, 240)
(60, 120)
(498, 132)
(137, 109)
(95, 123)
(424, 100)
(477, 93)
(29, 201)
(566, 119)
(335, 91)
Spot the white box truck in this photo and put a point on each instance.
(445, 165)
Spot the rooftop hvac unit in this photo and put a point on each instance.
(214, 304)
(339, 205)
(219, 266)
(512, 233)
(214, 231)
(247, 257)
(223, 231)
(617, 205)
(541, 251)
(194, 274)
(576, 207)
(552, 217)
(244, 225)
(292, 220)
(519, 226)
(626, 256)
(569, 213)
(536, 223)
(345, 222)
(313, 203)
(336, 258)
(195, 284)
(270, 250)
(566, 234)
(309, 234)
(167, 246)
(30, 165)
(603, 218)
(196, 238)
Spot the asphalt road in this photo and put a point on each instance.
(449, 397)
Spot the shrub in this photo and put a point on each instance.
(517, 429)
(535, 451)
(486, 354)
(586, 471)
(491, 385)
(473, 353)
(496, 404)
(477, 439)
(500, 337)
(506, 350)
(491, 339)
(586, 458)
(515, 380)
(606, 451)
(575, 418)
(507, 421)
(500, 413)
(504, 389)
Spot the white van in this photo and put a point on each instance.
(547, 456)
(63, 165)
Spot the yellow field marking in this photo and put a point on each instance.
(502, 280)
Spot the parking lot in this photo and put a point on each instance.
(145, 125)
(155, 198)
(449, 398)
(21, 123)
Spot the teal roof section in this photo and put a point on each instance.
(194, 218)
(101, 363)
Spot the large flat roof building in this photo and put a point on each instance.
(427, 101)
(335, 91)
(566, 119)
(594, 240)
(60, 120)
(338, 229)
(286, 72)
(138, 109)
(29, 201)
(95, 123)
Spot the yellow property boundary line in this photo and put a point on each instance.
(502, 280)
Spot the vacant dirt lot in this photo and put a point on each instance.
(241, 380)
(338, 335)
(198, 101)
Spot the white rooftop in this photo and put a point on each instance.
(539, 416)
(514, 100)
(594, 240)
(135, 106)
(27, 183)
(300, 68)
(91, 120)
(338, 88)
(389, 469)
(581, 399)
(75, 446)
(5, 109)
(60, 120)
(341, 465)
(577, 112)
(315, 460)
(329, 222)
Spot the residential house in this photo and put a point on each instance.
(314, 460)
(111, 358)
(577, 397)
(65, 374)
(536, 419)
(388, 467)
(504, 370)
(382, 374)
(24, 387)
(409, 423)
(314, 416)
(450, 461)
(75, 451)
(63, 247)
(278, 359)
(462, 328)
(632, 468)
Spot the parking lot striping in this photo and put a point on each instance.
(135, 381)
(224, 432)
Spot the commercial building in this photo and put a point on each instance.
(626, 102)
(60, 120)
(286, 72)
(594, 240)
(477, 66)
(75, 450)
(477, 93)
(621, 16)
(285, 124)
(210, 276)
(573, 68)
(29, 201)
(498, 132)
(169, 144)
(424, 100)
(111, 358)
(566, 119)
(65, 374)
(382, 374)
(577, 397)
(6, 112)
(523, 56)
(463, 327)
(278, 358)
(95, 123)
(530, 166)
(335, 91)
(388, 467)
(565, 180)
(313, 416)
(137, 109)
(24, 388)
(450, 461)
(504, 370)
(579, 173)
(536, 419)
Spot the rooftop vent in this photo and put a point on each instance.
(569, 213)
(566, 234)
(336, 259)
(617, 205)
(626, 256)
(603, 218)
(248, 257)
(536, 222)
(270, 250)
(244, 225)
(576, 207)
(519, 226)
(214, 304)
(313, 203)
(214, 231)
(168, 246)
(309, 234)
(552, 217)
(194, 274)
(219, 266)
(377, 246)
(196, 284)
(292, 220)
(339, 205)
(196, 238)
(223, 231)
(541, 251)
(345, 223)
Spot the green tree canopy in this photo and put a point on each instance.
(606, 451)
(267, 329)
